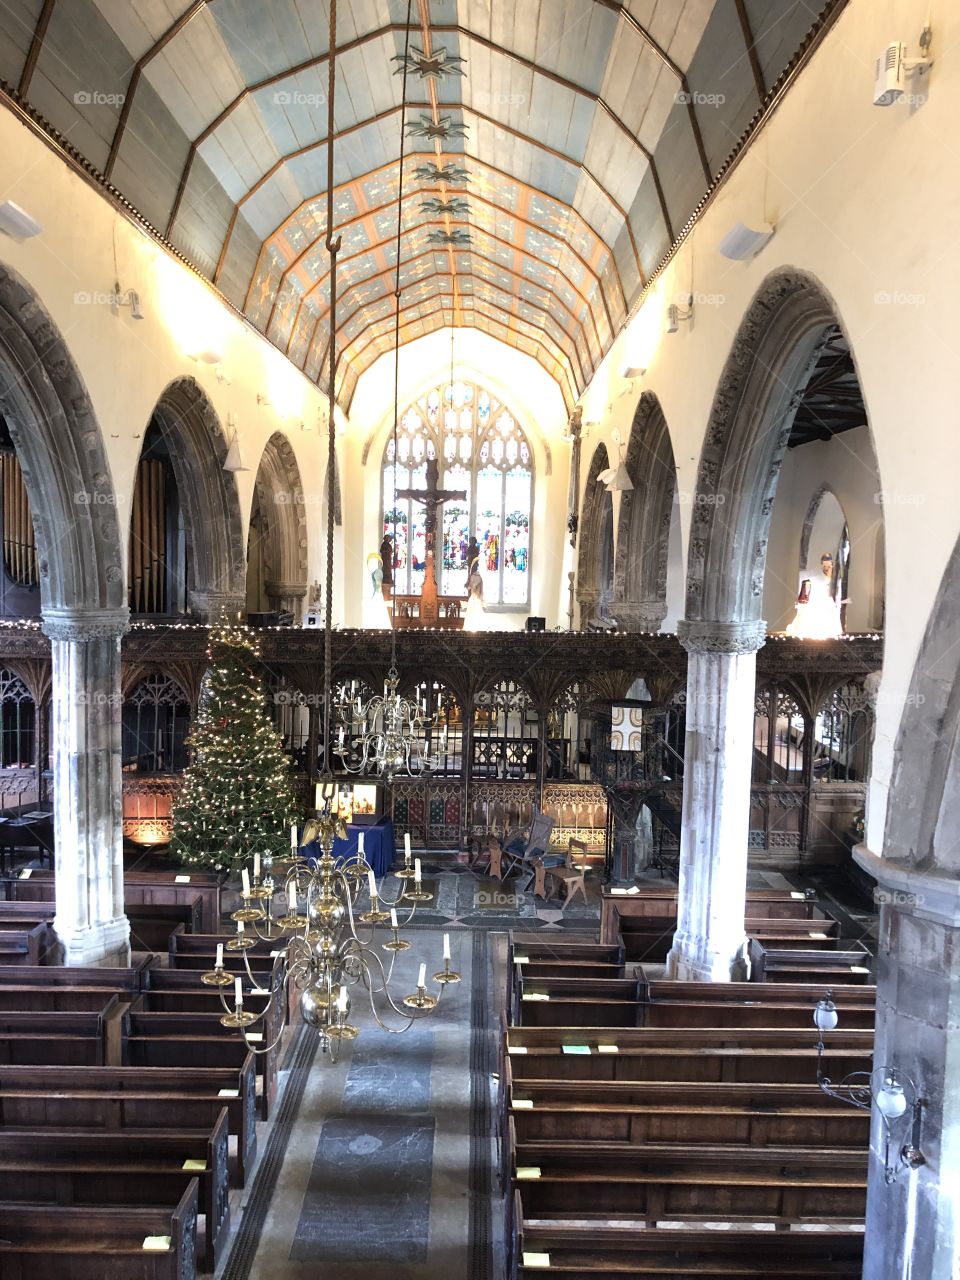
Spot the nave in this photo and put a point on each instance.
(555, 1119)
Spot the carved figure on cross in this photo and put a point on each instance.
(432, 498)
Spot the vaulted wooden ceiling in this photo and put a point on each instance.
(554, 150)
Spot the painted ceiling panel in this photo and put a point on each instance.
(532, 208)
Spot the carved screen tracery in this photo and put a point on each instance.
(156, 721)
(18, 719)
(482, 451)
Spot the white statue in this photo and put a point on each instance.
(376, 615)
(818, 607)
(475, 616)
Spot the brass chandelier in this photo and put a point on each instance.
(394, 735)
(327, 940)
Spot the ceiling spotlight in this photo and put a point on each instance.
(17, 223)
(742, 242)
(630, 372)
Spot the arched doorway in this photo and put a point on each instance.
(277, 539)
(643, 539)
(198, 526)
(789, 384)
(66, 478)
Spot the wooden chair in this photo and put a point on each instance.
(571, 875)
(523, 851)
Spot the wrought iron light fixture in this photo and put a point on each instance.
(892, 1092)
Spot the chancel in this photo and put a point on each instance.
(479, 602)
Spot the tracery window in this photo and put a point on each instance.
(155, 721)
(17, 722)
(482, 451)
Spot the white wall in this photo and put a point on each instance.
(867, 200)
(847, 464)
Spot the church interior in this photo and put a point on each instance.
(479, 639)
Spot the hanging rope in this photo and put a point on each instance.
(396, 329)
(333, 248)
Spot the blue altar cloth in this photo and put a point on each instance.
(378, 845)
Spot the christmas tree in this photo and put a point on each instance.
(237, 796)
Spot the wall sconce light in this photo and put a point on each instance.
(17, 223)
(233, 461)
(893, 1093)
(676, 312)
(630, 372)
(128, 298)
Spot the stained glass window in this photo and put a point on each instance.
(483, 452)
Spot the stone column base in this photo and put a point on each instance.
(105, 945)
(690, 961)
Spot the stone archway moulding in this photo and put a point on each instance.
(772, 357)
(211, 509)
(62, 456)
(643, 534)
(588, 535)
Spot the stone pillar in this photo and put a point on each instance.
(714, 835)
(287, 597)
(87, 792)
(913, 1224)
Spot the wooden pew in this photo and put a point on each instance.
(188, 1053)
(198, 950)
(730, 1055)
(82, 1038)
(23, 943)
(604, 1251)
(143, 1020)
(654, 1182)
(137, 1098)
(646, 920)
(691, 1115)
(113, 979)
(140, 889)
(61, 1242)
(130, 1167)
(595, 1002)
(854, 965)
(718, 1004)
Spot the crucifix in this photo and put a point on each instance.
(432, 498)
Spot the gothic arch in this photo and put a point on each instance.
(62, 457)
(596, 505)
(211, 508)
(279, 506)
(810, 519)
(773, 355)
(643, 533)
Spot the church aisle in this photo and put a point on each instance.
(380, 1166)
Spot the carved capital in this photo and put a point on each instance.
(82, 625)
(721, 637)
(639, 615)
(209, 606)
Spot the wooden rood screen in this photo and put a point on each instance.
(434, 812)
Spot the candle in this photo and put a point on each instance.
(292, 897)
(245, 878)
(329, 790)
(416, 870)
(238, 992)
(372, 882)
(256, 866)
(360, 844)
(219, 955)
(293, 836)
(342, 1000)
(421, 981)
(341, 735)
(393, 918)
(353, 687)
(446, 946)
(240, 926)
(406, 845)
(318, 796)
